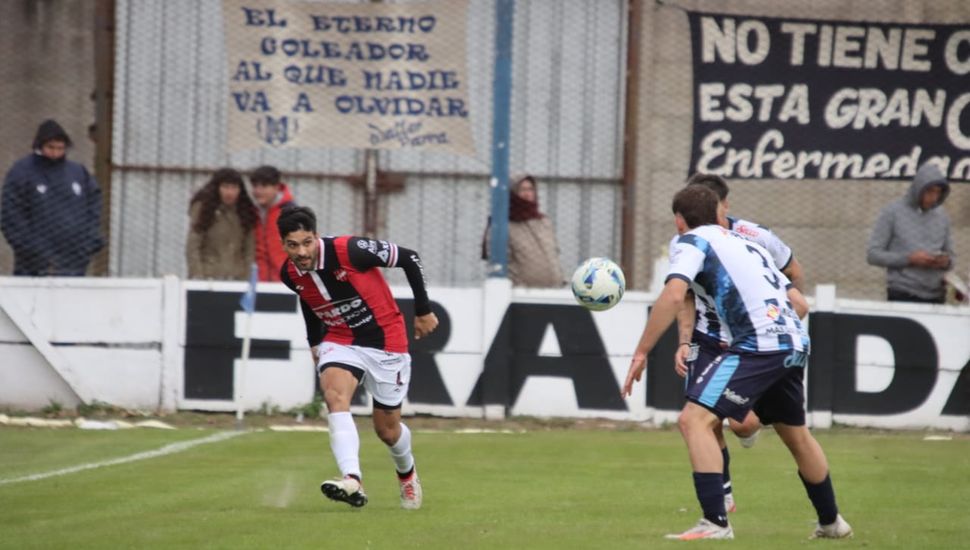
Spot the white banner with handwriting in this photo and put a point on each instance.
(370, 75)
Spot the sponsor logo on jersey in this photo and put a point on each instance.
(747, 231)
(335, 310)
(797, 359)
(773, 312)
(415, 259)
(383, 255)
(340, 274)
(363, 321)
(337, 314)
(365, 244)
(735, 398)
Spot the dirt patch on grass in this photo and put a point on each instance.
(416, 422)
(265, 419)
(257, 420)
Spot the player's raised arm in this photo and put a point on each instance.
(662, 314)
(425, 322)
(686, 260)
(366, 253)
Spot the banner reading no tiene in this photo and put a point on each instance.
(370, 75)
(795, 98)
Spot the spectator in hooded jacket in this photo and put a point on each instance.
(51, 209)
(912, 240)
(271, 196)
(533, 258)
(220, 243)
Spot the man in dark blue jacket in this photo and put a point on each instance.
(51, 209)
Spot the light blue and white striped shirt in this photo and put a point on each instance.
(748, 291)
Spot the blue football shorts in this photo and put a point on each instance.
(732, 382)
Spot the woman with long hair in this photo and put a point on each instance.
(222, 216)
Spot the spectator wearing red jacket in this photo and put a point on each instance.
(271, 196)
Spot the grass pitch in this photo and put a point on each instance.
(543, 489)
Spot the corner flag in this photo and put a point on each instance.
(248, 303)
(248, 300)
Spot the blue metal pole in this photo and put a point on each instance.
(501, 101)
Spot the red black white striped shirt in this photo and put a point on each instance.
(345, 299)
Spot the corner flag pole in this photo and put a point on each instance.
(248, 303)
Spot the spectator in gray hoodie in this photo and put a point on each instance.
(911, 239)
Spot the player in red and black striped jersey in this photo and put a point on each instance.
(357, 336)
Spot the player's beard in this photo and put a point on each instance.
(307, 262)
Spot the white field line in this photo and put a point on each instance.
(169, 449)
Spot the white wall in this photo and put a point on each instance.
(122, 341)
(104, 335)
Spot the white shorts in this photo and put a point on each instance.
(386, 375)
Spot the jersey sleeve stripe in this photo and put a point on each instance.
(392, 260)
(680, 276)
(791, 256)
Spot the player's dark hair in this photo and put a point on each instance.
(713, 182)
(297, 218)
(697, 204)
(265, 175)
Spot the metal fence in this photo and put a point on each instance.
(602, 99)
(169, 133)
(170, 124)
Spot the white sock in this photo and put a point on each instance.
(345, 443)
(401, 451)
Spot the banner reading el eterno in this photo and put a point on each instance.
(370, 75)
(795, 98)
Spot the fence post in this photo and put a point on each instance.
(497, 289)
(104, 62)
(501, 101)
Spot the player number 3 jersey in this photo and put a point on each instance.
(747, 290)
(706, 320)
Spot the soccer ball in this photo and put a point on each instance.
(598, 284)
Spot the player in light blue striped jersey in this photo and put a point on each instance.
(762, 367)
(702, 337)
